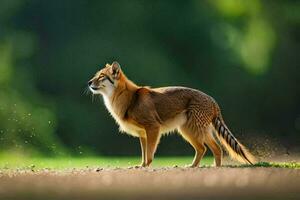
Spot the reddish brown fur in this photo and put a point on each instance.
(147, 113)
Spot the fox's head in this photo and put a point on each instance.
(106, 80)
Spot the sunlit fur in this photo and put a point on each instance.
(148, 113)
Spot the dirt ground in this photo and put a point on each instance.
(152, 183)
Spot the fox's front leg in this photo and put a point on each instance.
(143, 143)
(153, 137)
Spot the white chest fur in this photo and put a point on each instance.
(124, 126)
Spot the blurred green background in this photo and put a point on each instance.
(244, 53)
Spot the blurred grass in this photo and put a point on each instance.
(292, 165)
(60, 163)
(18, 162)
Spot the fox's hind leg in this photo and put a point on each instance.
(210, 141)
(196, 140)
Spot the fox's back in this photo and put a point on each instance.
(172, 101)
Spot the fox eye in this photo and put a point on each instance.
(101, 76)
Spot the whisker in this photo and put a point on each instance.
(85, 91)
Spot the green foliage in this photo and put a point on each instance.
(243, 53)
(26, 126)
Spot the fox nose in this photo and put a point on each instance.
(90, 83)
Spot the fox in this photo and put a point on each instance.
(148, 113)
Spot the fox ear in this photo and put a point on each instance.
(115, 69)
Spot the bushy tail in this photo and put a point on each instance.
(235, 149)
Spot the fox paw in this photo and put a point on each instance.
(142, 165)
(190, 166)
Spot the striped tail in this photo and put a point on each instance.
(235, 149)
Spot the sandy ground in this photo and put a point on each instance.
(151, 183)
